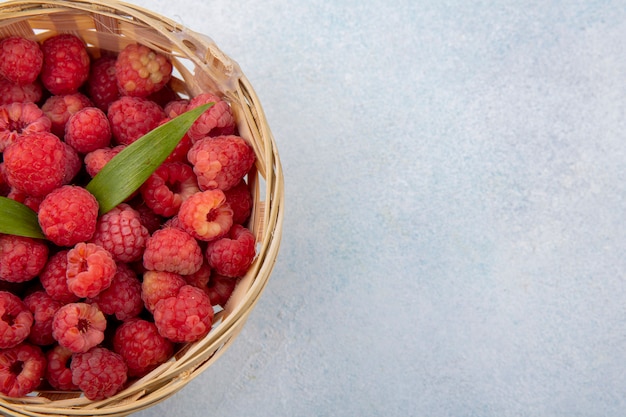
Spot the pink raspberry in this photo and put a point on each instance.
(20, 60)
(96, 160)
(216, 121)
(21, 258)
(87, 130)
(221, 162)
(123, 297)
(102, 82)
(79, 326)
(100, 373)
(158, 285)
(15, 320)
(43, 308)
(65, 64)
(187, 317)
(68, 215)
(19, 119)
(141, 71)
(133, 117)
(53, 278)
(206, 215)
(141, 346)
(121, 233)
(90, 269)
(170, 185)
(14, 93)
(73, 164)
(175, 108)
(59, 109)
(220, 288)
(58, 372)
(240, 200)
(21, 369)
(172, 250)
(233, 254)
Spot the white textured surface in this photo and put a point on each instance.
(454, 237)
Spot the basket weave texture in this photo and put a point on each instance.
(199, 66)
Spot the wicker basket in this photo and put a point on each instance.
(199, 66)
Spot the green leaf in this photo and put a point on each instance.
(18, 219)
(129, 169)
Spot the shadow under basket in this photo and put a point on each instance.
(199, 66)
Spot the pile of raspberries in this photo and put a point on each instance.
(105, 299)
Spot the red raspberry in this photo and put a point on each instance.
(21, 369)
(123, 297)
(172, 250)
(149, 218)
(90, 269)
(28, 200)
(164, 95)
(175, 108)
(96, 160)
(221, 162)
(141, 71)
(58, 372)
(102, 82)
(138, 341)
(18, 119)
(79, 326)
(133, 117)
(15, 320)
(68, 215)
(187, 317)
(206, 215)
(121, 233)
(87, 130)
(232, 255)
(240, 200)
(73, 164)
(100, 373)
(5, 188)
(13, 93)
(43, 308)
(65, 64)
(60, 108)
(218, 120)
(53, 278)
(21, 258)
(179, 154)
(20, 60)
(220, 288)
(170, 185)
(200, 278)
(158, 285)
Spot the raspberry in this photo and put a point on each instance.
(187, 317)
(168, 186)
(206, 215)
(65, 64)
(149, 219)
(96, 160)
(27, 200)
(100, 373)
(87, 130)
(21, 258)
(200, 278)
(121, 233)
(172, 250)
(73, 164)
(141, 71)
(123, 297)
(60, 108)
(220, 288)
(221, 162)
(90, 269)
(164, 95)
(179, 154)
(58, 372)
(53, 278)
(133, 117)
(43, 308)
(240, 200)
(21, 369)
(15, 320)
(13, 93)
(216, 121)
(68, 215)
(141, 346)
(102, 82)
(233, 254)
(175, 108)
(18, 119)
(20, 60)
(79, 326)
(158, 285)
